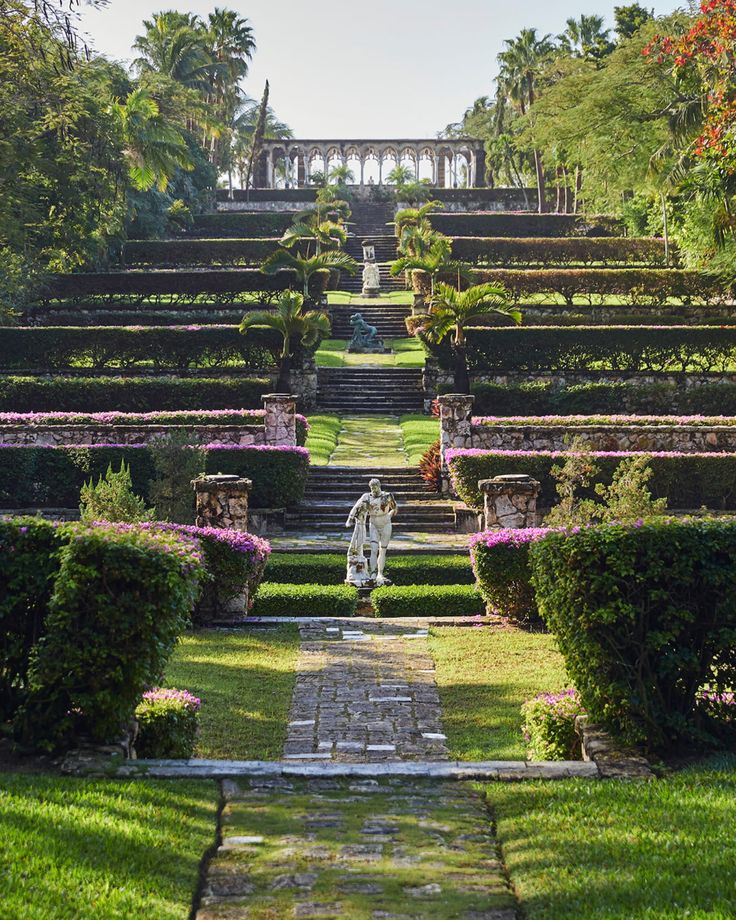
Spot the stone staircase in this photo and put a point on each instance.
(333, 490)
(370, 222)
(388, 318)
(370, 390)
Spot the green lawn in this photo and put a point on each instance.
(322, 437)
(102, 850)
(612, 850)
(484, 676)
(344, 298)
(420, 432)
(407, 352)
(245, 682)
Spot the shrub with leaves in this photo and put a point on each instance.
(177, 461)
(167, 724)
(549, 726)
(112, 499)
(501, 564)
(430, 467)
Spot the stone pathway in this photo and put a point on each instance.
(364, 694)
(355, 849)
(370, 441)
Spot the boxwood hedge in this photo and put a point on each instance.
(329, 569)
(501, 565)
(428, 601)
(645, 617)
(688, 481)
(305, 601)
(612, 251)
(485, 224)
(52, 477)
(198, 252)
(243, 224)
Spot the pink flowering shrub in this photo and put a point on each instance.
(549, 726)
(167, 724)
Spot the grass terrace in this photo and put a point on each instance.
(405, 353)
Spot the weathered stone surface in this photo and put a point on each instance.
(280, 422)
(222, 502)
(510, 502)
(456, 423)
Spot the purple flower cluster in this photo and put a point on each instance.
(298, 451)
(459, 453)
(491, 538)
(183, 545)
(237, 540)
(170, 695)
(566, 420)
(179, 416)
(282, 449)
(552, 699)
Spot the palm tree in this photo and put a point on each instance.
(342, 175)
(452, 311)
(306, 268)
(586, 37)
(327, 234)
(297, 326)
(415, 217)
(175, 44)
(154, 147)
(434, 262)
(520, 67)
(401, 175)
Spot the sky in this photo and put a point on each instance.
(370, 69)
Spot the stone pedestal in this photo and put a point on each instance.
(510, 502)
(456, 428)
(222, 502)
(280, 419)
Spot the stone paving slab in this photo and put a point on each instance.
(358, 849)
(364, 693)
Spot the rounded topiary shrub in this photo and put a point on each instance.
(167, 724)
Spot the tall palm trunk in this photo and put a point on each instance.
(541, 184)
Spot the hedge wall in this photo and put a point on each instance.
(586, 348)
(501, 565)
(329, 569)
(198, 252)
(543, 398)
(637, 285)
(226, 282)
(130, 394)
(275, 600)
(52, 477)
(645, 618)
(688, 481)
(495, 224)
(545, 252)
(157, 347)
(243, 224)
(428, 601)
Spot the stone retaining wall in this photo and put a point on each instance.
(70, 435)
(680, 438)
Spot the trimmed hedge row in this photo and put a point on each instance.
(495, 224)
(645, 618)
(131, 394)
(151, 283)
(243, 224)
(329, 569)
(543, 398)
(585, 348)
(88, 619)
(545, 252)
(501, 565)
(198, 252)
(305, 601)
(160, 347)
(428, 601)
(637, 285)
(688, 481)
(53, 476)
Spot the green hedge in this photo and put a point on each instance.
(587, 348)
(646, 619)
(227, 282)
(198, 252)
(485, 224)
(428, 601)
(546, 252)
(130, 394)
(688, 481)
(305, 601)
(543, 398)
(329, 569)
(635, 285)
(120, 599)
(52, 477)
(158, 347)
(167, 725)
(501, 566)
(243, 224)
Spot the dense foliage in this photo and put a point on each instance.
(329, 569)
(501, 566)
(549, 726)
(305, 600)
(427, 601)
(167, 724)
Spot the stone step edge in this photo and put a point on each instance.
(504, 770)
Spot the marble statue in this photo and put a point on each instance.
(365, 337)
(380, 508)
(358, 573)
(371, 280)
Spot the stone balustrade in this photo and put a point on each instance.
(510, 502)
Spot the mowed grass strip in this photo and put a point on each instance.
(420, 432)
(245, 682)
(102, 850)
(484, 676)
(664, 849)
(322, 437)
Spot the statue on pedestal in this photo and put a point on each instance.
(371, 280)
(380, 508)
(365, 337)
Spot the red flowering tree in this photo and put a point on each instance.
(709, 49)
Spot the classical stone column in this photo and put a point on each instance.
(222, 502)
(510, 502)
(280, 419)
(456, 428)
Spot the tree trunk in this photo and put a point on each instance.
(578, 187)
(462, 378)
(560, 175)
(541, 185)
(283, 384)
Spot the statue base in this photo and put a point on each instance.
(371, 293)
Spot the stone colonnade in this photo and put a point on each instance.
(447, 163)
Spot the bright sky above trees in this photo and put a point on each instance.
(378, 68)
